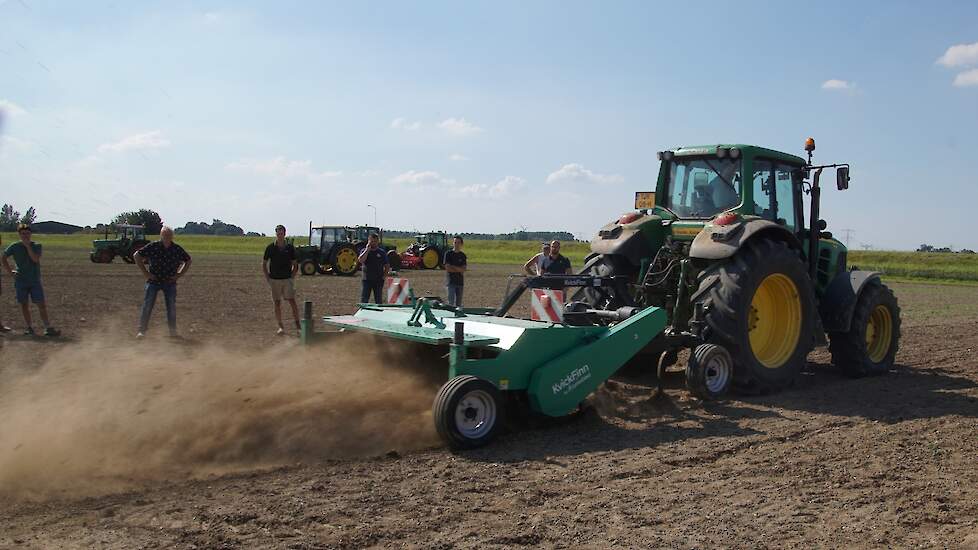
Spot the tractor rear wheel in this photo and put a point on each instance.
(467, 412)
(760, 306)
(871, 344)
(430, 258)
(605, 266)
(344, 260)
(308, 267)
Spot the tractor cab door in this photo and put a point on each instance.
(777, 194)
(316, 237)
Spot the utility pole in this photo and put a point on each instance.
(375, 213)
(849, 233)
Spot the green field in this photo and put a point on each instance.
(902, 265)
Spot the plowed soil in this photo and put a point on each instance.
(235, 437)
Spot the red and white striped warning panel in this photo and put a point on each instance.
(397, 290)
(547, 305)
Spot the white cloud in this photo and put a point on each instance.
(967, 78)
(137, 142)
(835, 84)
(425, 178)
(960, 55)
(280, 167)
(502, 188)
(10, 108)
(400, 123)
(575, 173)
(458, 158)
(459, 127)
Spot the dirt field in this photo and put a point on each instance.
(234, 437)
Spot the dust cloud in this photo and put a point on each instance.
(99, 417)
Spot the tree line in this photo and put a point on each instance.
(10, 218)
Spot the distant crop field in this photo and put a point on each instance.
(902, 265)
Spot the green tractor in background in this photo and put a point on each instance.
(128, 239)
(359, 235)
(426, 252)
(734, 255)
(329, 251)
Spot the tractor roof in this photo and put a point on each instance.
(690, 150)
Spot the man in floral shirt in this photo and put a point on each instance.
(168, 262)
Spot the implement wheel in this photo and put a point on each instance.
(430, 258)
(871, 344)
(760, 306)
(709, 372)
(308, 267)
(467, 412)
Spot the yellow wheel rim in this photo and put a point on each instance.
(430, 258)
(346, 260)
(879, 333)
(774, 320)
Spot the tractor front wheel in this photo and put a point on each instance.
(709, 372)
(760, 306)
(467, 412)
(871, 344)
(308, 267)
(105, 256)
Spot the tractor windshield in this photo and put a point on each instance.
(702, 187)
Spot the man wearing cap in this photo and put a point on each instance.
(168, 262)
(27, 278)
(279, 266)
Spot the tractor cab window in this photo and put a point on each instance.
(774, 196)
(703, 187)
(330, 236)
(315, 236)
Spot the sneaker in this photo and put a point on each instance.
(4, 328)
(51, 331)
(140, 335)
(280, 331)
(29, 331)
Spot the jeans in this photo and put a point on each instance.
(455, 295)
(169, 296)
(377, 287)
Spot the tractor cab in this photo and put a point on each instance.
(126, 232)
(324, 237)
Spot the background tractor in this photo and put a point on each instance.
(128, 239)
(426, 252)
(330, 250)
(724, 234)
(359, 235)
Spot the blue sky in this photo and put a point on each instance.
(479, 116)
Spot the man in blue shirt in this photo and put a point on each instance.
(168, 262)
(375, 270)
(27, 278)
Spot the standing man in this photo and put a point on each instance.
(559, 264)
(168, 262)
(27, 278)
(537, 265)
(3, 327)
(455, 265)
(375, 270)
(279, 266)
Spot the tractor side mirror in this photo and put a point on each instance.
(842, 178)
(822, 225)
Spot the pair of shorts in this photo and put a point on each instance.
(32, 290)
(282, 289)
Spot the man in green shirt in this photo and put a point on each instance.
(27, 278)
(3, 327)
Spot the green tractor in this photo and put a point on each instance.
(329, 251)
(710, 244)
(359, 235)
(426, 252)
(128, 239)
